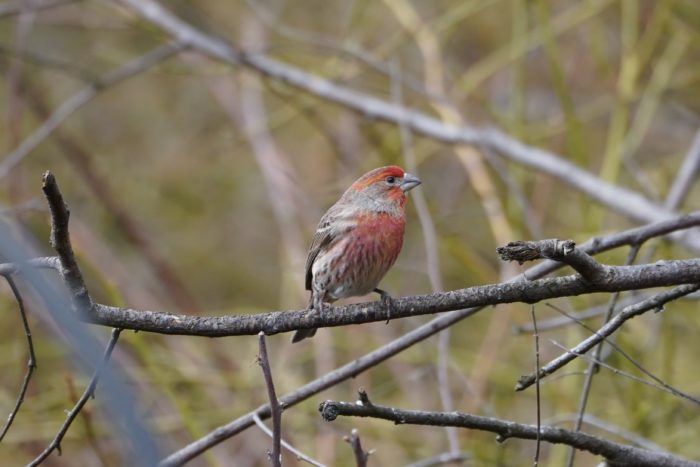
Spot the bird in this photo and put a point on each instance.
(358, 240)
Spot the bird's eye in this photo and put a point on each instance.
(390, 179)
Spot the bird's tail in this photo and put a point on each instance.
(302, 334)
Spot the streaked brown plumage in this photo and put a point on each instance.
(358, 239)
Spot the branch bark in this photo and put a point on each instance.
(627, 202)
(615, 453)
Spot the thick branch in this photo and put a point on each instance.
(617, 454)
(615, 279)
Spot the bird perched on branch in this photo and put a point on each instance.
(358, 239)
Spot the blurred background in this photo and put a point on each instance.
(195, 187)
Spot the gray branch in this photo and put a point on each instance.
(625, 201)
(615, 453)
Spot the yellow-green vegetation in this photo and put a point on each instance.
(195, 187)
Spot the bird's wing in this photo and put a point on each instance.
(332, 226)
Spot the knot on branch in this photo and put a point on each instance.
(522, 251)
(329, 410)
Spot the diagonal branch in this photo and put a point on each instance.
(656, 302)
(615, 453)
(89, 392)
(627, 202)
(81, 98)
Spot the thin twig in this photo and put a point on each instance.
(656, 302)
(624, 374)
(73, 413)
(360, 455)
(31, 364)
(536, 460)
(81, 98)
(616, 453)
(671, 389)
(564, 320)
(299, 455)
(608, 427)
(276, 409)
(592, 366)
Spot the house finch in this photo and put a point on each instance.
(358, 240)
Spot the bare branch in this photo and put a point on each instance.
(81, 98)
(658, 383)
(592, 366)
(276, 409)
(299, 455)
(89, 393)
(60, 241)
(18, 6)
(655, 302)
(616, 278)
(31, 364)
(686, 175)
(615, 453)
(360, 455)
(627, 202)
(573, 317)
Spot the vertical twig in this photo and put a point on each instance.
(275, 408)
(360, 455)
(593, 365)
(537, 384)
(31, 364)
(89, 393)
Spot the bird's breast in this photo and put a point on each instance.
(363, 258)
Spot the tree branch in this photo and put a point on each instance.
(31, 364)
(360, 455)
(60, 241)
(616, 278)
(564, 251)
(615, 453)
(276, 409)
(655, 302)
(81, 98)
(627, 202)
(637, 235)
(89, 393)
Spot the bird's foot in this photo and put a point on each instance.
(387, 302)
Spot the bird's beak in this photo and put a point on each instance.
(409, 182)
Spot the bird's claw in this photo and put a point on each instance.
(387, 303)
